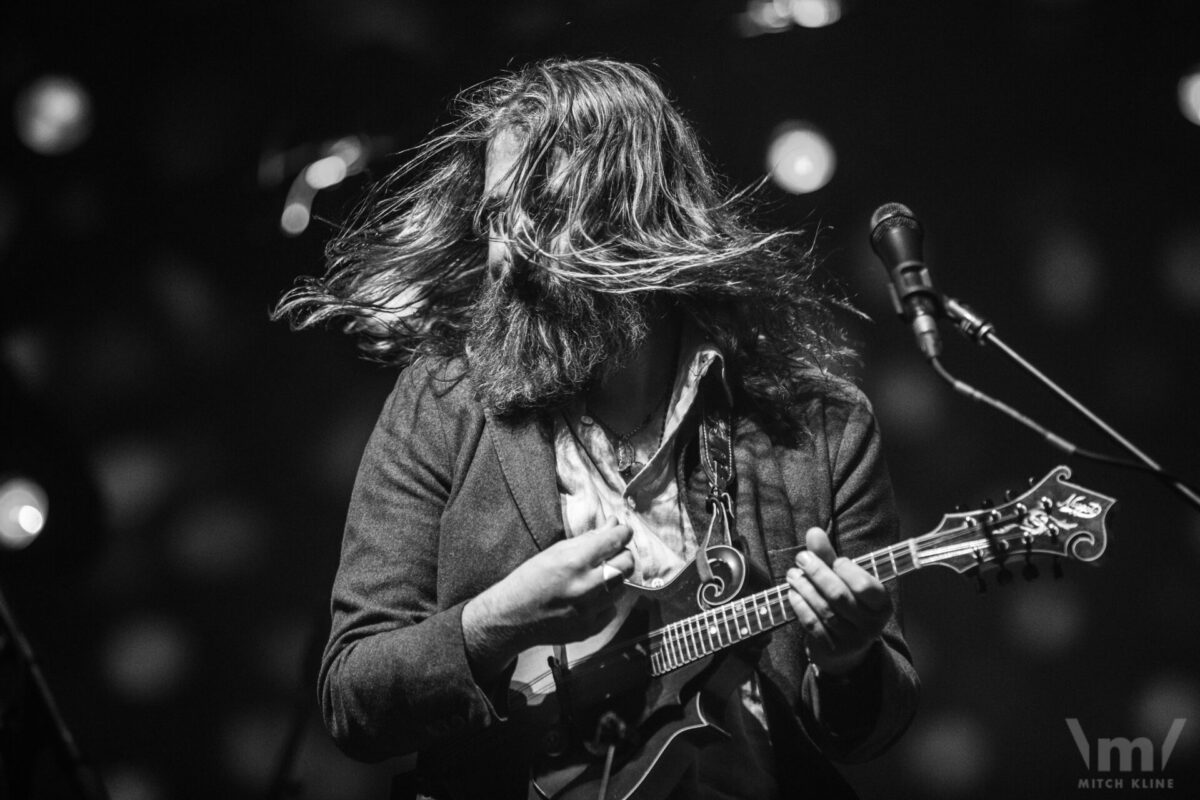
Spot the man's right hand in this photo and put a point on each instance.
(559, 595)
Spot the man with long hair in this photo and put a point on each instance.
(613, 385)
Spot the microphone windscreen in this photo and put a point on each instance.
(897, 214)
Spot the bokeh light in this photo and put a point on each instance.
(53, 115)
(23, 511)
(251, 743)
(912, 405)
(146, 659)
(295, 218)
(136, 476)
(26, 353)
(1165, 698)
(326, 172)
(1189, 96)
(1045, 618)
(816, 13)
(773, 16)
(126, 782)
(1067, 275)
(218, 537)
(800, 159)
(1181, 266)
(948, 755)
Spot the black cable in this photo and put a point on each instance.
(1049, 436)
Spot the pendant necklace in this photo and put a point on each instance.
(622, 443)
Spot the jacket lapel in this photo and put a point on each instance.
(526, 457)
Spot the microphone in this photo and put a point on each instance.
(896, 238)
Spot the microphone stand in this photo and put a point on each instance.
(983, 332)
(80, 774)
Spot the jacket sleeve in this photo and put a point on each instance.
(394, 677)
(858, 718)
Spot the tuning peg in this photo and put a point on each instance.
(1057, 569)
(1008, 495)
(1032, 481)
(959, 508)
(1029, 571)
(1004, 577)
(987, 503)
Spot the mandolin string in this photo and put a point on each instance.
(687, 637)
(898, 557)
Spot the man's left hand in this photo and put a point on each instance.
(841, 606)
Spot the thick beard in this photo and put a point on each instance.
(535, 342)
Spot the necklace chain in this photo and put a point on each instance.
(621, 442)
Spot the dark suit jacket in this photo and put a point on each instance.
(449, 500)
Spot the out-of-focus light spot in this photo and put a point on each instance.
(764, 16)
(1181, 267)
(350, 150)
(251, 745)
(1189, 96)
(132, 783)
(1044, 618)
(27, 354)
(218, 537)
(183, 289)
(773, 16)
(770, 14)
(948, 755)
(23, 511)
(135, 478)
(146, 659)
(911, 401)
(326, 172)
(816, 13)
(1166, 698)
(799, 158)
(295, 218)
(1067, 275)
(53, 115)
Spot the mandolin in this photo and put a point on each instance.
(614, 714)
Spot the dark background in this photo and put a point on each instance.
(199, 458)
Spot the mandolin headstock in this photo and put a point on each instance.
(1053, 518)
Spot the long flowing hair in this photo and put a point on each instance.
(610, 192)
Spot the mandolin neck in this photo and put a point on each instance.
(703, 634)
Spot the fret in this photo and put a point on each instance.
(892, 553)
(698, 637)
(725, 611)
(770, 613)
(912, 551)
(743, 625)
(685, 646)
(874, 566)
(784, 605)
(714, 633)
